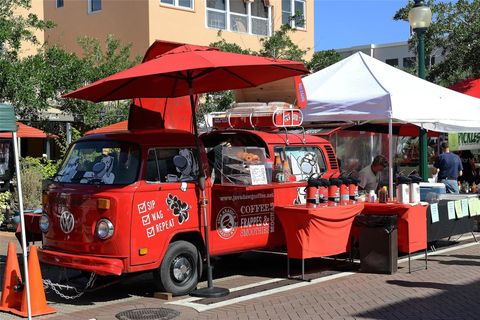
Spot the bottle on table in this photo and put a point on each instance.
(278, 174)
(383, 195)
(286, 170)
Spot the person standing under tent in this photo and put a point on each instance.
(370, 175)
(449, 168)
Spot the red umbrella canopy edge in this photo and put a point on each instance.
(469, 87)
(189, 69)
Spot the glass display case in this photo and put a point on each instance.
(245, 166)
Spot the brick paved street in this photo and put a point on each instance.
(447, 290)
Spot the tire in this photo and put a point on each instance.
(179, 271)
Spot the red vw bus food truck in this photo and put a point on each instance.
(130, 201)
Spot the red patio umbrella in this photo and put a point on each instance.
(189, 70)
(186, 70)
(469, 87)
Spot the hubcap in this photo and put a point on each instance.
(181, 268)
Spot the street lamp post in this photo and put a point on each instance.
(420, 18)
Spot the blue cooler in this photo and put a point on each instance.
(427, 187)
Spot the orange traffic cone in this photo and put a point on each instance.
(11, 298)
(37, 293)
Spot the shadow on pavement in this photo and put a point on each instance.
(274, 265)
(453, 302)
(258, 264)
(457, 262)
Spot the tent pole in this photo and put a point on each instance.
(390, 159)
(22, 223)
(372, 152)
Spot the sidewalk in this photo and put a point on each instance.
(449, 289)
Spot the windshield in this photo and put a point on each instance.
(100, 162)
(303, 161)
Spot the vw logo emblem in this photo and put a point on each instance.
(67, 222)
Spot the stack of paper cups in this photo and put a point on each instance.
(403, 194)
(414, 193)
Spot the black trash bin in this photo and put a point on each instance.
(378, 243)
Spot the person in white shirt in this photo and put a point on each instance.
(370, 175)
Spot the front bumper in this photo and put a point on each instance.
(99, 265)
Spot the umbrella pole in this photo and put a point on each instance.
(22, 224)
(210, 291)
(390, 159)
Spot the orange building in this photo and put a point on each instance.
(141, 22)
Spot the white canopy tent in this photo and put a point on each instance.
(362, 88)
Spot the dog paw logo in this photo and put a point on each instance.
(178, 208)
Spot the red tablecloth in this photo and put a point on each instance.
(317, 232)
(412, 223)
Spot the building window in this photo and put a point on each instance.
(260, 18)
(94, 5)
(59, 3)
(294, 8)
(186, 4)
(409, 62)
(239, 16)
(392, 62)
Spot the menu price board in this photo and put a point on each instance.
(258, 174)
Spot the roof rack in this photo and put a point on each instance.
(258, 115)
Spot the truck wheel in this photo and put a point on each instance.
(178, 273)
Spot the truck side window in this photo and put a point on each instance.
(303, 161)
(153, 173)
(171, 165)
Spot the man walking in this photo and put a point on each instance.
(449, 168)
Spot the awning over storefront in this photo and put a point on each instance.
(119, 126)
(23, 131)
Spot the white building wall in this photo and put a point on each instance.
(390, 53)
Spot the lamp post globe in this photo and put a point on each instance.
(420, 18)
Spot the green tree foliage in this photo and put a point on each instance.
(455, 30)
(323, 59)
(226, 46)
(15, 29)
(34, 83)
(281, 46)
(41, 80)
(98, 63)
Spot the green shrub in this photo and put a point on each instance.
(48, 168)
(33, 171)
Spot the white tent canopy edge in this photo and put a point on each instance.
(362, 88)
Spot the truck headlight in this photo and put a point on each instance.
(44, 223)
(104, 229)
